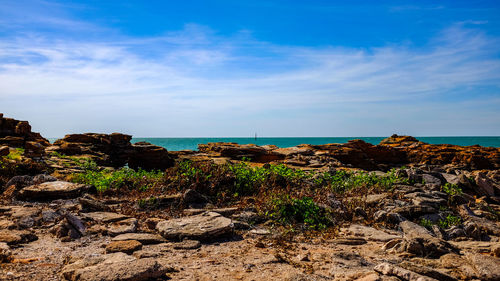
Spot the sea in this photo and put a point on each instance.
(174, 144)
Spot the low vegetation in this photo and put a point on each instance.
(287, 210)
(287, 196)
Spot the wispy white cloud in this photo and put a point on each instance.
(195, 82)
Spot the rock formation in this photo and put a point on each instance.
(18, 134)
(395, 151)
(114, 150)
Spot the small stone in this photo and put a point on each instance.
(50, 216)
(349, 241)
(187, 245)
(16, 237)
(144, 238)
(26, 222)
(152, 222)
(495, 250)
(104, 217)
(123, 226)
(128, 246)
(5, 252)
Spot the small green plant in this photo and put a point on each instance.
(426, 223)
(247, 179)
(15, 154)
(288, 210)
(449, 221)
(451, 189)
(148, 203)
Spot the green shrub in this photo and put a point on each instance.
(15, 154)
(341, 181)
(451, 189)
(449, 221)
(288, 210)
(426, 223)
(247, 179)
(122, 178)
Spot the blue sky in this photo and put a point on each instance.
(232, 68)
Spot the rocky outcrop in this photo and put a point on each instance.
(114, 150)
(262, 154)
(464, 157)
(394, 151)
(18, 134)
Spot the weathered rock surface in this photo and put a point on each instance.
(393, 151)
(144, 238)
(5, 252)
(206, 226)
(126, 246)
(393, 270)
(487, 267)
(115, 150)
(104, 217)
(419, 241)
(52, 190)
(16, 237)
(370, 233)
(148, 156)
(115, 267)
(15, 133)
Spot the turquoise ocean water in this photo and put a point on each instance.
(174, 144)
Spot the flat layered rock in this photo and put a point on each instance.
(144, 238)
(52, 190)
(418, 240)
(370, 233)
(115, 267)
(127, 246)
(404, 274)
(205, 226)
(104, 217)
(487, 267)
(16, 237)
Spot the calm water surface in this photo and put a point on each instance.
(192, 143)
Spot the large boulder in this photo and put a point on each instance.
(52, 190)
(148, 157)
(205, 226)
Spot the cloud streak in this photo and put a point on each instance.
(194, 82)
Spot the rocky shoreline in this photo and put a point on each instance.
(400, 210)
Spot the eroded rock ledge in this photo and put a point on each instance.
(394, 151)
